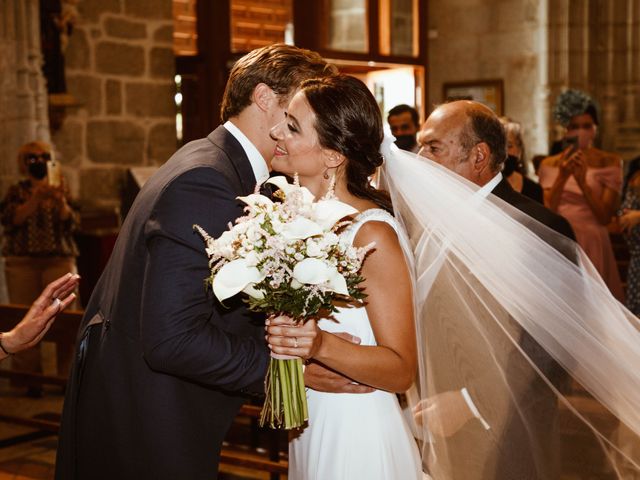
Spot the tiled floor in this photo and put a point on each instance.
(35, 459)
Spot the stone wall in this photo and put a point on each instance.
(539, 48)
(120, 69)
(494, 39)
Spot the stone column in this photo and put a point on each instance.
(23, 98)
(594, 46)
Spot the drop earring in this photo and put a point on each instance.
(325, 175)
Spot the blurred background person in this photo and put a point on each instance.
(629, 220)
(536, 161)
(39, 221)
(405, 123)
(515, 167)
(57, 296)
(583, 183)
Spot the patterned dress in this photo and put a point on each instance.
(631, 201)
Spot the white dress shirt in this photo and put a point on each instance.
(257, 161)
(488, 187)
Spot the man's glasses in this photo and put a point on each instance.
(34, 157)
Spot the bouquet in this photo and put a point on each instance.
(287, 257)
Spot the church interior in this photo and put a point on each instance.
(117, 86)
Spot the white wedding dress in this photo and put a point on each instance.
(354, 436)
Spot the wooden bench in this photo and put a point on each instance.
(63, 332)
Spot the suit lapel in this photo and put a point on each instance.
(237, 157)
(504, 191)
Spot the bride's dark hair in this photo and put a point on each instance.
(348, 121)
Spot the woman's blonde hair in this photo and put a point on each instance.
(30, 147)
(514, 128)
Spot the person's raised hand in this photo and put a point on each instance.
(579, 167)
(56, 296)
(629, 219)
(565, 164)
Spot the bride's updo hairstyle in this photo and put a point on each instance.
(348, 121)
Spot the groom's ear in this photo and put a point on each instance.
(263, 96)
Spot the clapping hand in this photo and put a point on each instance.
(629, 219)
(579, 167)
(566, 162)
(573, 162)
(56, 297)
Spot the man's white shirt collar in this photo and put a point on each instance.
(488, 187)
(257, 161)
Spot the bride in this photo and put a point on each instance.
(352, 435)
(482, 273)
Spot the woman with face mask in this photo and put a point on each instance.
(583, 183)
(38, 221)
(515, 170)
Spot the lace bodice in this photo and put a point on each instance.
(370, 215)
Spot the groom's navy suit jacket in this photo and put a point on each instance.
(161, 366)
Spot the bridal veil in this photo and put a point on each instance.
(516, 315)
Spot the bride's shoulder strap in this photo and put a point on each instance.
(371, 215)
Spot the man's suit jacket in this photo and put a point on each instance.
(528, 449)
(160, 364)
(468, 347)
(534, 209)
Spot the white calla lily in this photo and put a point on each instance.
(300, 228)
(253, 292)
(312, 271)
(328, 212)
(256, 199)
(338, 284)
(280, 182)
(286, 187)
(233, 277)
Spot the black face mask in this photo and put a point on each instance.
(511, 164)
(38, 170)
(406, 142)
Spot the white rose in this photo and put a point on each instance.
(313, 248)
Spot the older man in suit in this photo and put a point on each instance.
(161, 367)
(467, 138)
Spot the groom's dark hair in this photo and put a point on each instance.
(281, 67)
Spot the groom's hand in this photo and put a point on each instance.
(322, 379)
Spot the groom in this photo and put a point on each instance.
(468, 138)
(161, 367)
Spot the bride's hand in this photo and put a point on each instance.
(285, 337)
